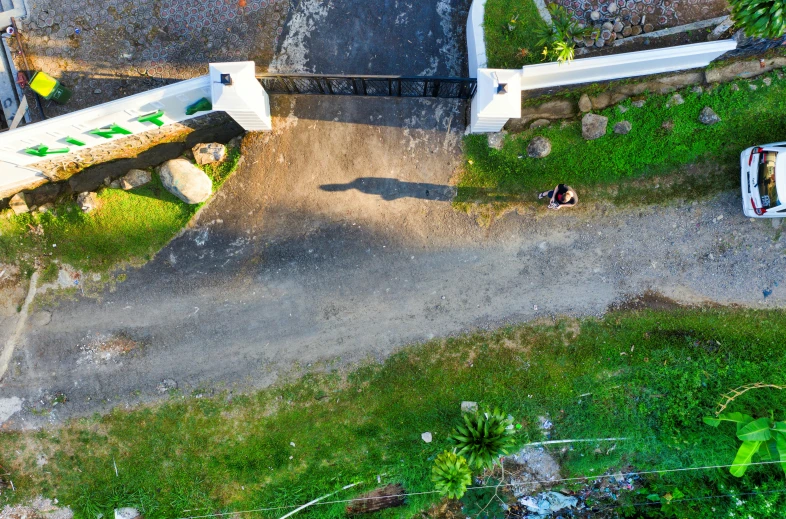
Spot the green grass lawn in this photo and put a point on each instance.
(503, 46)
(129, 226)
(646, 375)
(691, 160)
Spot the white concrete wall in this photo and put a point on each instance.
(125, 112)
(629, 64)
(476, 39)
(172, 100)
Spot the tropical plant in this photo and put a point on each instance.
(761, 18)
(762, 436)
(483, 437)
(451, 474)
(484, 502)
(557, 40)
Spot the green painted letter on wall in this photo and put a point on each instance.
(109, 131)
(43, 151)
(154, 118)
(75, 142)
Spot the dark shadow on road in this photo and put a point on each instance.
(393, 189)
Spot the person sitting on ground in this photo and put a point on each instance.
(560, 196)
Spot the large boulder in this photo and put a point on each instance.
(708, 116)
(209, 153)
(135, 178)
(539, 147)
(186, 181)
(18, 204)
(593, 126)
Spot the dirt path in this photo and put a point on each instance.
(335, 240)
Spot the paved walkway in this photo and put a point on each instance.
(124, 47)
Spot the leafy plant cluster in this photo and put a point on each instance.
(763, 438)
(478, 444)
(557, 40)
(760, 18)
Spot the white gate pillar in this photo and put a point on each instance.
(236, 90)
(497, 99)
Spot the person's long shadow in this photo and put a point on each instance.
(393, 189)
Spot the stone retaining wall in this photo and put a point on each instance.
(87, 169)
(618, 91)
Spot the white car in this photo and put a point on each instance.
(764, 181)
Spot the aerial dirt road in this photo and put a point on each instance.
(336, 241)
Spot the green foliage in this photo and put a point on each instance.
(669, 502)
(484, 437)
(128, 226)
(483, 502)
(760, 18)
(511, 45)
(451, 475)
(557, 41)
(231, 452)
(762, 436)
(689, 161)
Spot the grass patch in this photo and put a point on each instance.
(602, 169)
(129, 226)
(647, 375)
(516, 48)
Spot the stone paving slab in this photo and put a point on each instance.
(106, 49)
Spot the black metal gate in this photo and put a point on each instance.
(379, 86)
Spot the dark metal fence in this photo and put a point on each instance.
(749, 46)
(379, 86)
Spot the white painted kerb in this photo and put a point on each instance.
(476, 38)
(172, 99)
(629, 64)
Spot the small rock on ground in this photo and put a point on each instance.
(735, 87)
(209, 153)
(135, 178)
(585, 105)
(593, 126)
(126, 513)
(540, 123)
(697, 89)
(166, 385)
(186, 181)
(752, 86)
(18, 204)
(708, 116)
(639, 103)
(675, 100)
(496, 140)
(87, 202)
(622, 109)
(767, 81)
(539, 147)
(469, 407)
(622, 127)
(426, 436)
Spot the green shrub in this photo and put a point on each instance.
(761, 18)
(557, 40)
(451, 475)
(484, 437)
